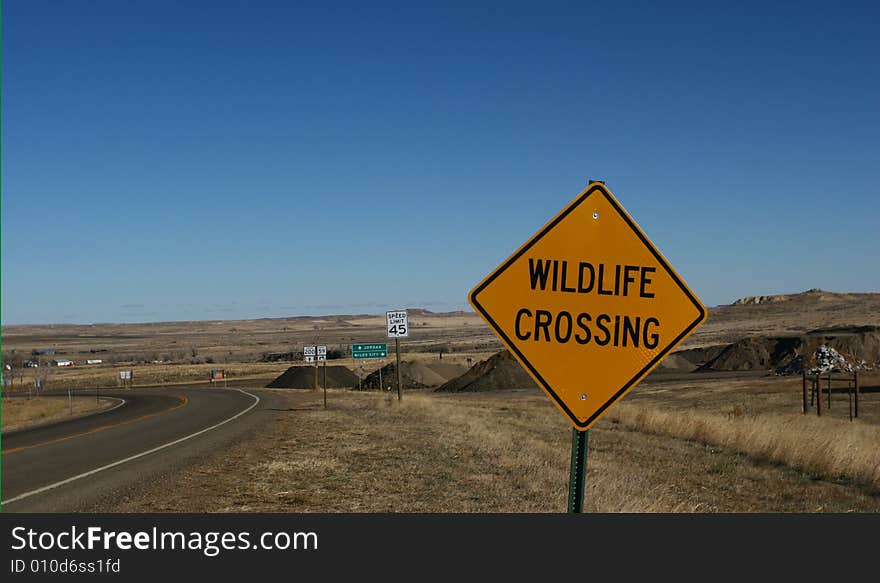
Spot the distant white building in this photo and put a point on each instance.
(62, 362)
(94, 361)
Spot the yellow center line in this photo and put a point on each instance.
(184, 400)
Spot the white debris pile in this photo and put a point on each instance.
(828, 359)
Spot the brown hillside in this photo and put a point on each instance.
(786, 315)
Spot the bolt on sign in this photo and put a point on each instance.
(588, 306)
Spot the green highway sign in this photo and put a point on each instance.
(379, 350)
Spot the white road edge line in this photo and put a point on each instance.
(135, 456)
(118, 405)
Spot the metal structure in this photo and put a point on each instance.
(848, 381)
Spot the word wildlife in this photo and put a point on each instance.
(618, 330)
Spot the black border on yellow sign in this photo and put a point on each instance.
(593, 188)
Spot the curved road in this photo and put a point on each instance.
(72, 465)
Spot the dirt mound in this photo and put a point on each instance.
(746, 354)
(499, 372)
(415, 375)
(791, 354)
(303, 377)
(690, 359)
(676, 362)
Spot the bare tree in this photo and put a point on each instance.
(13, 358)
(42, 375)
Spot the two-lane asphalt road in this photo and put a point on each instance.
(74, 464)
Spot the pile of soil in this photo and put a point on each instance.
(677, 363)
(499, 372)
(690, 359)
(415, 375)
(859, 346)
(751, 353)
(303, 377)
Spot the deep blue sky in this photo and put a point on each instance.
(182, 160)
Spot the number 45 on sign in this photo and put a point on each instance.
(396, 324)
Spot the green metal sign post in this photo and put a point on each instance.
(578, 478)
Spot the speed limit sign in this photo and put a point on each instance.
(396, 324)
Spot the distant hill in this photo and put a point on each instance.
(786, 315)
(814, 294)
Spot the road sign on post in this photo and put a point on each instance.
(125, 377)
(217, 375)
(397, 324)
(397, 327)
(588, 306)
(377, 350)
(321, 352)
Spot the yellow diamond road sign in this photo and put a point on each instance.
(588, 306)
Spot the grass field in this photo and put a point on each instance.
(19, 413)
(761, 417)
(500, 452)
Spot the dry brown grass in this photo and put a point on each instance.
(826, 448)
(504, 452)
(22, 412)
